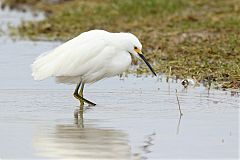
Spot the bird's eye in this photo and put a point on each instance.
(135, 47)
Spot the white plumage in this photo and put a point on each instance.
(89, 57)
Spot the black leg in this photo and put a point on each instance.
(77, 88)
(80, 98)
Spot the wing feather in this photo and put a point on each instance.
(72, 57)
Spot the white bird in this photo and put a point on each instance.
(88, 58)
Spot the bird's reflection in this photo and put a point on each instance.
(78, 117)
(83, 141)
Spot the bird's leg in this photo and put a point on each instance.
(81, 95)
(80, 98)
(76, 89)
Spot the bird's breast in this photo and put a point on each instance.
(119, 63)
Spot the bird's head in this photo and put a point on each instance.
(134, 47)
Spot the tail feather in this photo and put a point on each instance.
(43, 67)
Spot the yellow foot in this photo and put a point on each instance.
(81, 103)
(82, 100)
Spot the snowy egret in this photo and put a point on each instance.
(88, 58)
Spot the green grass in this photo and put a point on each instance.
(199, 39)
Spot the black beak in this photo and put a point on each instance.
(149, 66)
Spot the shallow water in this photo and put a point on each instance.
(10, 17)
(136, 118)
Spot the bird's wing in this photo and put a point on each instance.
(92, 70)
(72, 57)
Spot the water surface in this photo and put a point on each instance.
(136, 118)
